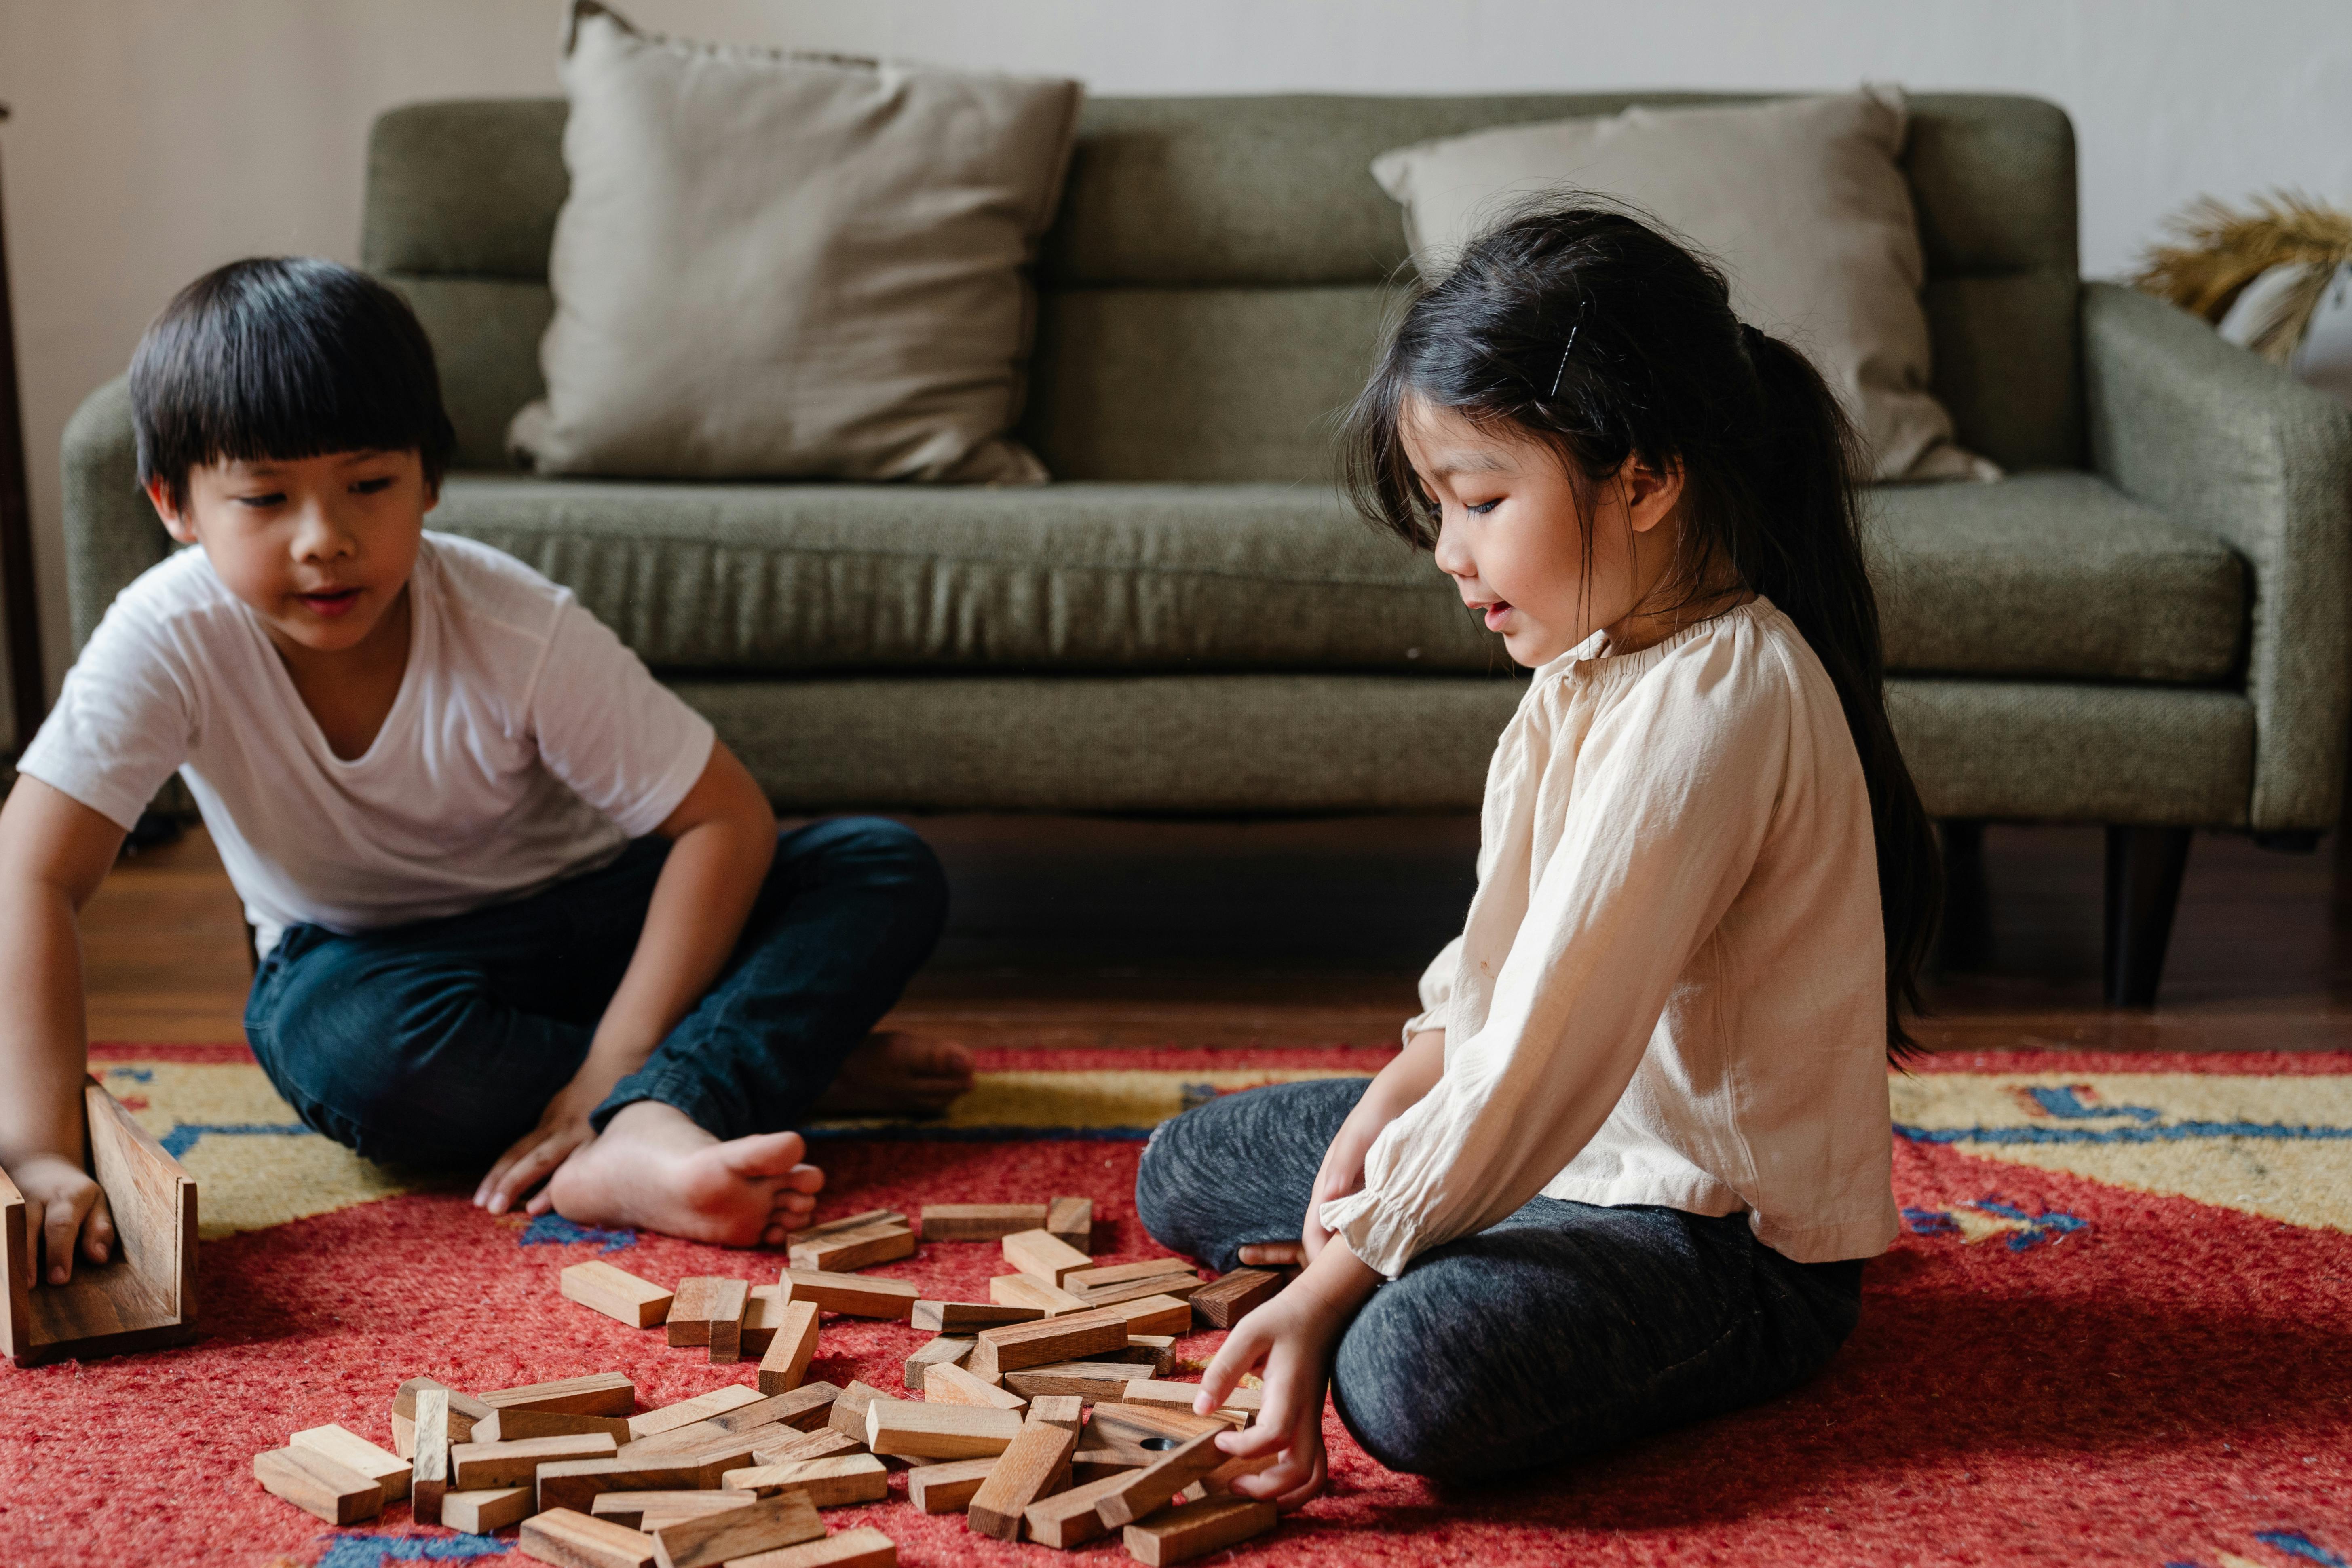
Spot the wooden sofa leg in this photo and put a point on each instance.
(2144, 870)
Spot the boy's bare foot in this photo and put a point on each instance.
(653, 1169)
(895, 1073)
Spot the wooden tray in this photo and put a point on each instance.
(146, 1295)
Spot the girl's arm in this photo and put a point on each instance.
(1395, 1089)
(54, 852)
(722, 837)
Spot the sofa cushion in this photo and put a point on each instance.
(2045, 574)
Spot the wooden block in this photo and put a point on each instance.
(1107, 1449)
(687, 1412)
(800, 1408)
(476, 1466)
(1090, 1380)
(946, 1488)
(1161, 1314)
(598, 1394)
(1073, 1336)
(1059, 1410)
(789, 1354)
(1129, 1273)
(512, 1425)
(1179, 1286)
(1157, 1352)
(1142, 1422)
(1196, 1529)
(786, 1519)
(488, 1510)
(764, 1314)
(836, 1482)
(853, 1295)
(1041, 1254)
(848, 1412)
(429, 1464)
(576, 1484)
(1020, 1290)
(980, 1222)
(464, 1409)
(1228, 1299)
(616, 1293)
(1035, 1462)
(354, 1452)
(1240, 1402)
(865, 1547)
(852, 1249)
(709, 1307)
(1072, 1220)
(628, 1509)
(318, 1485)
(142, 1297)
(1067, 1519)
(955, 1385)
(848, 1222)
(968, 1317)
(1151, 1489)
(948, 1350)
(574, 1539)
(823, 1444)
(929, 1431)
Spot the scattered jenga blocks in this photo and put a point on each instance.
(1147, 1490)
(1067, 1519)
(474, 1466)
(1044, 1256)
(631, 1510)
(865, 1547)
(834, 1482)
(764, 1314)
(824, 1443)
(956, 1385)
(1157, 1352)
(926, 1431)
(616, 1293)
(1161, 1314)
(1180, 1534)
(1229, 1297)
(464, 1411)
(1035, 1462)
(969, 1316)
(575, 1540)
(946, 1488)
(597, 1394)
(848, 1412)
(1142, 1423)
(785, 1518)
(981, 1222)
(1129, 1273)
(842, 1251)
(853, 1295)
(1070, 1337)
(1179, 1286)
(786, 1362)
(1072, 1220)
(1090, 1380)
(1240, 1402)
(948, 1350)
(801, 1409)
(1025, 1290)
(429, 1448)
(354, 1452)
(576, 1484)
(488, 1510)
(687, 1412)
(1065, 1410)
(509, 1426)
(848, 1222)
(318, 1485)
(709, 1310)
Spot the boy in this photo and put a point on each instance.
(515, 904)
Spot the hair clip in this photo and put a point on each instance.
(1563, 353)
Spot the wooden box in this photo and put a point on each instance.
(144, 1296)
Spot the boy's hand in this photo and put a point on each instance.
(563, 1127)
(1292, 1338)
(61, 1201)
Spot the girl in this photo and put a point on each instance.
(1626, 1169)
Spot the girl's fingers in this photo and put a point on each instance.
(1270, 1254)
(98, 1231)
(1246, 1345)
(59, 1221)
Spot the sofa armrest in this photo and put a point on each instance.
(2212, 436)
(111, 533)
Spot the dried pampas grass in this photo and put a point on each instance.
(2222, 250)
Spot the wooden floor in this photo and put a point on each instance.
(1072, 932)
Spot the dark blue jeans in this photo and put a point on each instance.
(1565, 1330)
(438, 1044)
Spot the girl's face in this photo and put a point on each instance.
(1511, 535)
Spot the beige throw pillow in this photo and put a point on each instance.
(791, 267)
(1802, 202)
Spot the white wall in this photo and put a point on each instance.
(153, 139)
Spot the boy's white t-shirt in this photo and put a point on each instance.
(526, 745)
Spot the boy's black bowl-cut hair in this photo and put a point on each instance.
(280, 357)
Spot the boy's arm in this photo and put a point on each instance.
(54, 852)
(722, 837)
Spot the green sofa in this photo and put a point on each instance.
(2143, 628)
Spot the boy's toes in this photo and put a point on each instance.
(769, 1154)
(804, 1179)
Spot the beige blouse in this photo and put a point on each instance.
(1671, 988)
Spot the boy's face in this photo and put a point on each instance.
(318, 547)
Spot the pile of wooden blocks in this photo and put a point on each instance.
(1043, 1415)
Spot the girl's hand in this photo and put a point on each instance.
(562, 1128)
(1292, 1338)
(61, 1203)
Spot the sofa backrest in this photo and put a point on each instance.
(1215, 284)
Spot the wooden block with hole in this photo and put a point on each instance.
(1067, 1519)
(512, 1425)
(1088, 1379)
(852, 1295)
(1228, 1299)
(800, 1447)
(630, 1510)
(860, 1248)
(786, 1360)
(1072, 1220)
(1036, 1462)
(709, 1310)
(948, 1350)
(785, 1518)
(687, 1412)
(955, 1385)
(474, 1466)
(429, 1448)
(465, 1410)
(1044, 1256)
(596, 1394)
(1146, 1424)
(617, 1293)
(1151, 1489)
(487, 1511)
(1073, 1336)
(865, 1547)
(834, 1482)
(354, 1452)
(1022, 1290)
(971, 1317)
(1197, 1529)
(980, 1222)
(928, 1431)
(572, 1540)
(946, 1486)
(318, 1485)
(144, 1296)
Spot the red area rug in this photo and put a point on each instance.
(2105, 1375)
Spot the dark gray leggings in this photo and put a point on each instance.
(1565, 1330)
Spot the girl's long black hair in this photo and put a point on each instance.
(1587, 328)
